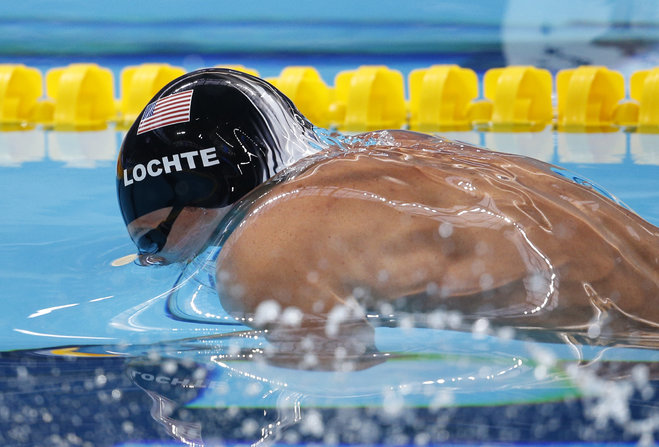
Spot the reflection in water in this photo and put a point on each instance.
(431, 386)
(82, 149)
(451, 387)
(644, 148)
(17, 147)
(79, 149)
(539, 145)
(591, 147)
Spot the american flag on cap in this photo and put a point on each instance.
(166, 111)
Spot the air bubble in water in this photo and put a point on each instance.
(249, 427)
(393, 403)
(312, 423)
(169, 367)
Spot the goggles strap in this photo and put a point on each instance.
(154, 240)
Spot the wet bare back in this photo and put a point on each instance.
(430, 224)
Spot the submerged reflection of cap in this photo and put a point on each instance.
(170, 392)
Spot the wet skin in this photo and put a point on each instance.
(423, 224)
(420, 224)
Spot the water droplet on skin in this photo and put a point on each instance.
(267, 312)
(383, 276)
(291, 316)
(223, 276)
(313, 277)
(485, 281)
(337, 315)
(359, 293)
(594, 330)
(445, 230)
(318, 306)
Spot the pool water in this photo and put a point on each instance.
(96, 350)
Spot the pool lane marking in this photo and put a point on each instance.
(73, 352)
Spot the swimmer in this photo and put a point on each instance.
(389, 220)
(205, 141)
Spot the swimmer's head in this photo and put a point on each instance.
(204, 141)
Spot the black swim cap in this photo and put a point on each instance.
(205, 140)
